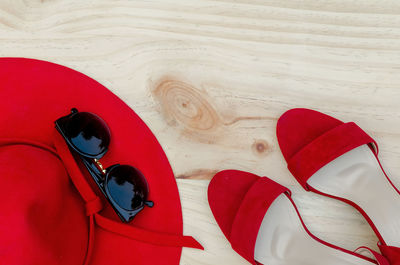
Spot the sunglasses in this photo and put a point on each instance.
(124, 186)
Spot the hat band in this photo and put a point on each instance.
(135, 233)
(93, 203)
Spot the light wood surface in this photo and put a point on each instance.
(211, 78)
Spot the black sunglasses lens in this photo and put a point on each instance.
(127, 186)
(88, 133)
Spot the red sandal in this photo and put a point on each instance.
(340, 160)
(262, 223)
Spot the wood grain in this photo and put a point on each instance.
(211, 78)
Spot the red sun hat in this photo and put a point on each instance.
(51, 211)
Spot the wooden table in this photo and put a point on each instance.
(210, 78)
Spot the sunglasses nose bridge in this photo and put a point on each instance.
(99, 165)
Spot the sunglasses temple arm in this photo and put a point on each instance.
(149, 203)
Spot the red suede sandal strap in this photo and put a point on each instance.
(253, 207)
(391, 253)
(326, 148)
(380, 260)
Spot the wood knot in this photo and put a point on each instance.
(260, 147)
(183, 104)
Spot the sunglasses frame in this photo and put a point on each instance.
(98, 174)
